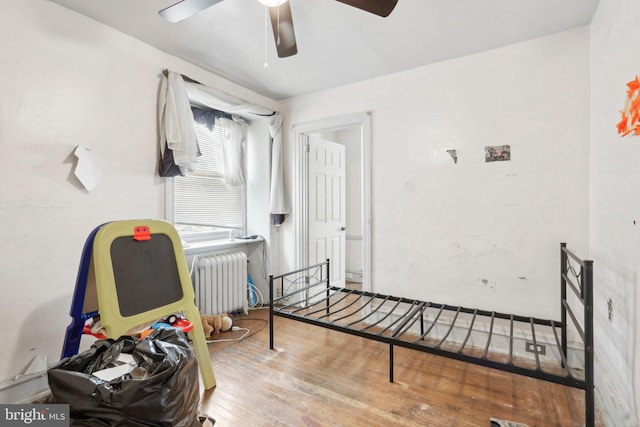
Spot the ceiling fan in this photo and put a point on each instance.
(280, 14)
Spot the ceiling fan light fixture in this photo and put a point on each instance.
(272, 3)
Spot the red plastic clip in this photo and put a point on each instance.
(141, 232)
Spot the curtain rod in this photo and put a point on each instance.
(188, 79)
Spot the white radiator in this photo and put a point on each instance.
(220, 282)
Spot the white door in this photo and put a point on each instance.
(327, 206)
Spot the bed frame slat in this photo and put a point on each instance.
(381, 320)
(486, 348)
(406, 319)
(453, 322)
(535, 345)
(358, 309)
(371, 313)
(464, 343)
(563, 356)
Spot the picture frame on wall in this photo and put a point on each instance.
(497, 153)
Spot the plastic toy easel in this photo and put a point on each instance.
(131, 274)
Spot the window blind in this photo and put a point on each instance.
(202, 198)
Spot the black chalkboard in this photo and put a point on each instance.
(145, 272)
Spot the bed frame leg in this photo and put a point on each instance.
(563, 297)
(587, 286)
(391, 363)
(590, 415)
(271, 312)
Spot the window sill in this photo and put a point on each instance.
(194, 248)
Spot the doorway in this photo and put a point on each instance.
(354, 132)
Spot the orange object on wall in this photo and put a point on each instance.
(630, 117)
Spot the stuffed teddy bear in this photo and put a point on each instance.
(214, 324)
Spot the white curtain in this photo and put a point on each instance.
(205, 96)
(278, 206)
(176, 122)
(235, 134)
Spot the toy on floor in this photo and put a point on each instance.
(214, 324)
(173, 321)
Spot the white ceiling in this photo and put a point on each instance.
(337, 44)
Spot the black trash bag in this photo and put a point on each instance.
(168, 395)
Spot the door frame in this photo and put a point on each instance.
(300, 137)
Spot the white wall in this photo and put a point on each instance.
(477, 234)
(67, 80)
(615, 208)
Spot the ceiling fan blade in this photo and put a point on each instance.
(185, 9)
(379, 7)
(283, 33)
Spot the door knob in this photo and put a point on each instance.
(343, 228)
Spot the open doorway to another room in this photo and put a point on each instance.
(345, 199)
(351, 139)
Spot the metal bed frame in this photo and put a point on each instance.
(395, 320)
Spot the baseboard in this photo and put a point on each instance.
(353, 276)
(28, 386)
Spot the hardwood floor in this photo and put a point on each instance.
(318, 377)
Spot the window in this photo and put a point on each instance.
(212, 198)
